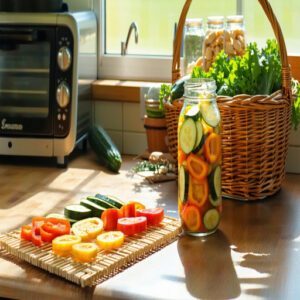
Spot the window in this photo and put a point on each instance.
(151, 57)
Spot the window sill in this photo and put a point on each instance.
(130, 91)
(119, 90)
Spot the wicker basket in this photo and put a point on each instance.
(255, 129)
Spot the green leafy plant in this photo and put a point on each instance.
(164, 94)
(296, 104)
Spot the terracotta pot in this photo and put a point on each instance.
(156, 130)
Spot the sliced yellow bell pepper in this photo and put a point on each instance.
(88, 229)
(62, 245)
(110, 240)
(84, 252)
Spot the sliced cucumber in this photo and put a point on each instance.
(188, 135)
(215, 202)
(56, 216)
(199, 138)
(193, 112)
(100, 201)
(211, 219)
(77, 212)
(111, 199)
(183, 182)
(97, 210)
(215, 184)
(210, 113)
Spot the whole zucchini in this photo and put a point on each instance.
(105, 149)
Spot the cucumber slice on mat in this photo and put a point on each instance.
(211, 219)
(114, 201)
(100, 201)
(183, 180)
(188, 135)
(77, 212)
(97, 210)
(210, 113)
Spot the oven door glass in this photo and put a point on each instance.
(26, 77)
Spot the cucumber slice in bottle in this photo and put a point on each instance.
(193, 112)
(211, 219)
(183, 179)
(188, 135)
(210, 113)
(199, 137)
(215, 184)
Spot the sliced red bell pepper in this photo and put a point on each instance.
(36, 238)
(57, 226)
(127, 210)
(154, 215)
(110, 219)
(26, 232)
(132, 225)
(197, 167)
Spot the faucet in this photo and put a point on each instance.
(124, 45)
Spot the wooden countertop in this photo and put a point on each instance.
(254, 254)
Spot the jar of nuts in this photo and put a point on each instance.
(234, 36)
(213, 41)
(193, 44)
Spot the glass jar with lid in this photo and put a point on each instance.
(193, 44)
(235, 43)
(199, 158)
(214, 40)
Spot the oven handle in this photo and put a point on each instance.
(27, 36)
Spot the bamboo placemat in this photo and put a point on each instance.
(107, 263)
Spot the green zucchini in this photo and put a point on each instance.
(77, 212)
(183, 184)
(117, 203)
(177, 88)
(105, 149)
(215, 185)
(100, 201)
(96, 209)
(188, 135)
(210, 113)
(211, 219)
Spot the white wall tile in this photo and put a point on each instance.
(132, 118)
(134, 143)
(109, 115)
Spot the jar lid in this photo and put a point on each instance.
(194, 22)
(215, 20)
(235, 19)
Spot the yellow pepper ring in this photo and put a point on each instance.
(84, 252)
(62, 245)
(110, 240)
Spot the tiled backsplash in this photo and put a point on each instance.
(123, 123)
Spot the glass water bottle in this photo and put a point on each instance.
(199, 159)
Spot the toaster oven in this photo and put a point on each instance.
(47, 64)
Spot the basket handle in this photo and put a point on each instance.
(285, 68)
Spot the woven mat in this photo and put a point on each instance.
(107, 263)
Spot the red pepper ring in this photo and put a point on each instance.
(57, 226)
(26, 232)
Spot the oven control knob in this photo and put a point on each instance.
(63, 95)
(64, 58)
